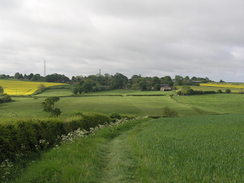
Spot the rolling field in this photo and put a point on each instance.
(23, 107)
(12, 87)
(121, 92)
(130, 92)
(237, 87)
(55, 92)
(214, 88)
(204, 143)
(143, 105)
(181, 150)
(220, 103)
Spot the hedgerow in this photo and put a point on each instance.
(186, 90)
(22, 137)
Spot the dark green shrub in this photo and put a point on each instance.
(115, 116)
(219, 91)
(27, 136)
(91, 120)
(48, 106)
(168, 112)
(5, 98)
(187, 91)
(227, 91)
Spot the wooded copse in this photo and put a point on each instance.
(95, 83)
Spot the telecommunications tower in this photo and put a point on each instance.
(100, 72)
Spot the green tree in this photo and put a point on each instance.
(36, 77)
(18, 75)
(89, 86)
(48, 106)
(134, 82)
(179, 80)
(219, 91)
(119, 81)
(60, 78)
(227, 91)
(167, 80)
(156, 83)
(186, 90)
(143, 85)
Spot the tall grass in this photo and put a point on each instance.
(182, 150)
(82, 160)
(190, 149)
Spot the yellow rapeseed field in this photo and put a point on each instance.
(224, 85)
(12, 87)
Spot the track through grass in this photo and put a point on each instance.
(119, 163)
(182, 150)
(82, 161)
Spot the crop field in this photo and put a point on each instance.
(55, 92)
(12, 87)
(214, 88)
(130, 92)
(219, 103)
(121, 92)
(203, 143)
(224, 85)
(23, 107)
(186, 149)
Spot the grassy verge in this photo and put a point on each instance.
(183, 150)
(80, 161)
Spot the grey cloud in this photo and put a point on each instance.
(148, 37)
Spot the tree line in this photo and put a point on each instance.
(93, 83)
(59, 78)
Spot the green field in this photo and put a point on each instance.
(187, 149)
(56, 92)
(24, 107)
(139, 105)
(68, 92)
(130, 92)
(204, 143)
(219, 103)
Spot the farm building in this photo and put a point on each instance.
(165, 87)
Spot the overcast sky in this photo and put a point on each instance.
(147, 37)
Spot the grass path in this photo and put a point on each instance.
(119, 163)
(207, 148)
(98, 158)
